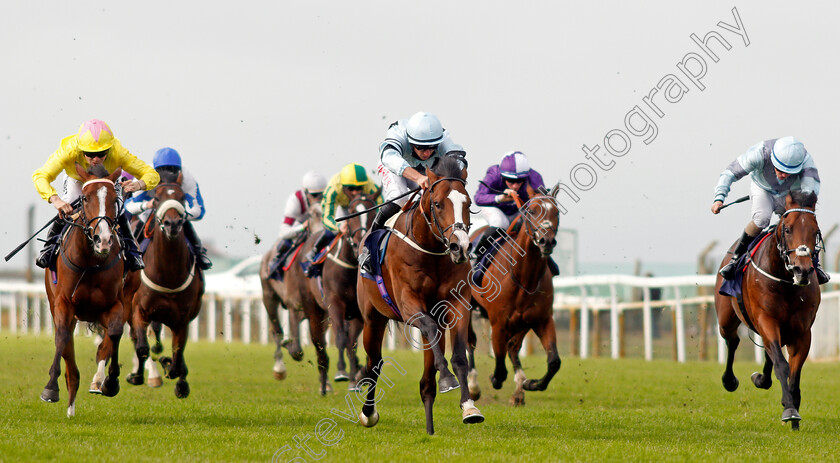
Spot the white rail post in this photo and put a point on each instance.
(391, 335)
(246, 321)
(194, 327)
(13, 325)
(584, 324)
(647, 323)
(24, 321)
(227, 319)
(211, 318)
(263, 326)
(615, 343)
(37, 313)
(759, 350)
(680, 326)
(721, 342)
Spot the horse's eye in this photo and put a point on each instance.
(437, 205)
(787, 230)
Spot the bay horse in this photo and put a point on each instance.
(337, 291)
(171, 286)
(88, 285)
(294, 294)
(518, 295)
(425, 273)
(780, 301)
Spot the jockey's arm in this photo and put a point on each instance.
(416, 177)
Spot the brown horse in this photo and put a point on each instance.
(780, 301)
(425, 272)
(339, 289)
(89, 285)
(171, 285)
(294, 294)
(518, 295)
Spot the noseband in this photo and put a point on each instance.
(802, 251)
(544, 227)
(89, 225)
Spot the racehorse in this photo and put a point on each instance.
(171, 285)
(337, 291)
(518, 295)
(293, 294)
(425, 273)
(780, 300)
(88, 285)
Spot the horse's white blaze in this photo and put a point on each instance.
(104, 229)
(459, 200)
(363, 218)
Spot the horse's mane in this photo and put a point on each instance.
(99, 171)
(447, 166)
(804, 198)
(167, 176)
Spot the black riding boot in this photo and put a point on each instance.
(382, 215)
(483, 245)
(322, 241)
(822, 277)
(728, 270)
(46, 257)
(133, 258)
(201, 253)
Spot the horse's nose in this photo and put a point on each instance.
(454, 247)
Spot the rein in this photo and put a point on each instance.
(784, 252)
(436, 221)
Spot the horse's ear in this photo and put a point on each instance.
(377, 194)
(180, 177)
(530, 189)
(555, 190)
(115, 175)
(82, 173)
(464, 174)
(790, 203)
(432, 176)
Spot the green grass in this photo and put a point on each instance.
(594, 410)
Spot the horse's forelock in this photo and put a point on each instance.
(447, 166)
(804, 198)
(167, 176)
(98, 171)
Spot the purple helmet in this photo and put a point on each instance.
(514, 165)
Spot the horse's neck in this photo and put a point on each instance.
(770, 257)
(532, 264)
(420, 231)
(165, 252)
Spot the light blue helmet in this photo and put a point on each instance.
(788, 155)
(424, 129)
(167, 157)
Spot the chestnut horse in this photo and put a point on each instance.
(338, 283)
(780, 300)
(425, 273)
(518, 295)
(88, 286)
(171, 286)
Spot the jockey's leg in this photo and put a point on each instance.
(497, 222)
(728, 270)
(50, 245)
(133, 258)
(322, 242)
(822, 277)
(201, 253)
(382, 215)
(275, 264)
(138, 231)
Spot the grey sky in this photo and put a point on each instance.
(253, 94)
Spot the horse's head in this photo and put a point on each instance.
(359, 224)
(99, 207)
(448, 204)
(542, 218)
(798, 235)
(168, 204)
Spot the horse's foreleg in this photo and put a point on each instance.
(782, 370)
(114, 322)
(472, 376)
(71, 375)
(797, 354)
(179, 366)
(764, 379)
(293, 345)
(64, 323)
(460, 343)
(548, 335)
(317, 330)
(272, 305)
(434, 341)
(374, 331)
(157, 327)
(499, 341)
(427, 389)
(355, 328)
(139, 335)
(339, 326)
(728, 325)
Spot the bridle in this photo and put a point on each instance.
(166, 205)
(350, 235)
(434, 224)
(88, 225)
(802, 250)
(537, 231)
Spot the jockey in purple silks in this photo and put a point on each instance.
(495, 195)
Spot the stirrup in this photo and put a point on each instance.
(728, 270)
(364, 260)
(135, 263)
(822, 276)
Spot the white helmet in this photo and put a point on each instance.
(788, 155)
(313, 182)
(424, 129)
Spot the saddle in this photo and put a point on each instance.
(734, 287)
(284, 260)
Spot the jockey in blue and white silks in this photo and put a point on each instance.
(775, 167)
(494, 195)
(140, 204)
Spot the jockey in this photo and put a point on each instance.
(410, 147)
(495, 195)
(93, 145)
(297, 208)
(167, 162)
(343, 188)
(775, 167)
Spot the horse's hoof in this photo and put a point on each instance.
(182, 389)
(297, 356)
(791, 414)
(155, 382)
(517, 400)
(730, 385)
(532, 385)
(495, 383)
(761, 381)
(327, 389)
(157, 348)
(279, 375)
(371, 421)
(166, 364)
(134, 378)
(353, 387)
(341, 377)
(50, 395)
(95, 388)
(110, 387)
(448, 383)
(470, 414)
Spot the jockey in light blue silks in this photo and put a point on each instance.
(495, 195)
(775, 167)
(140, 204)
